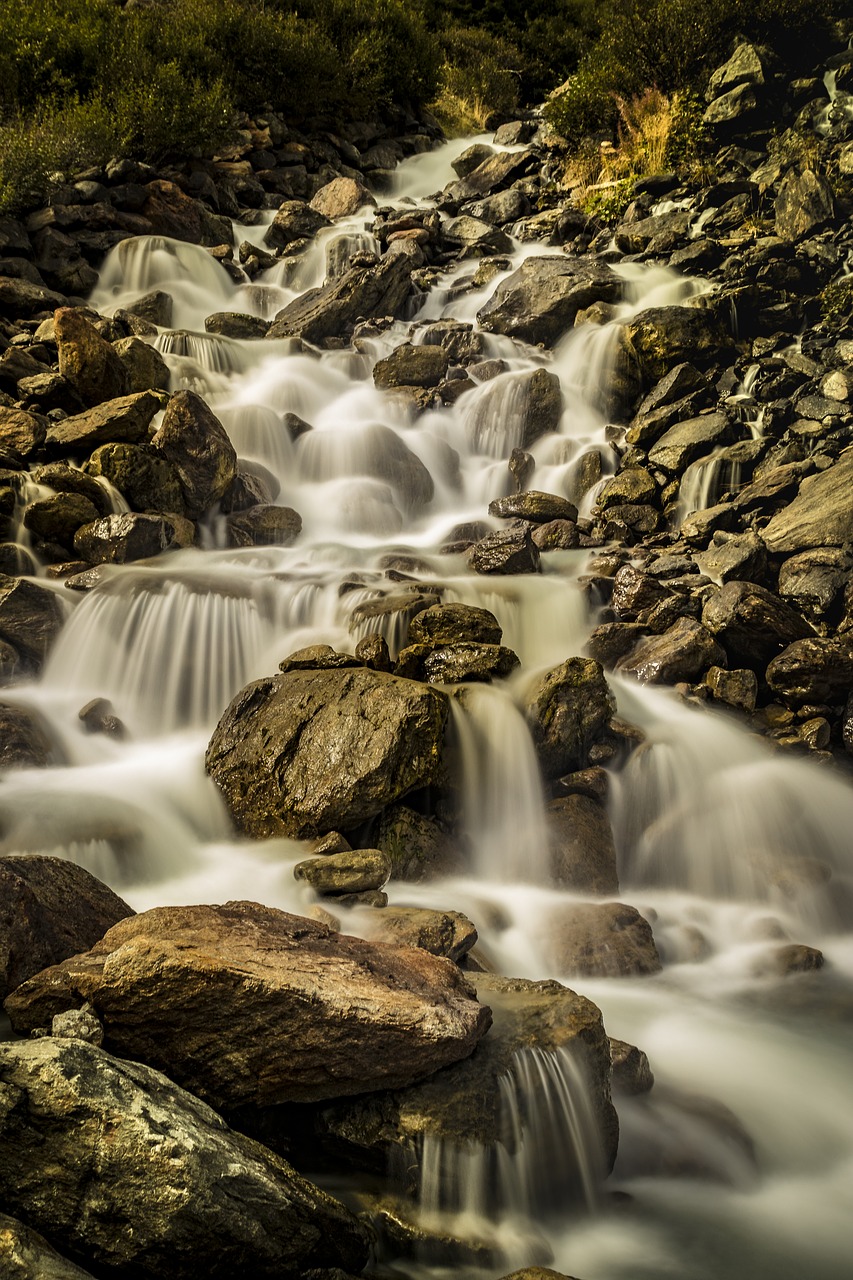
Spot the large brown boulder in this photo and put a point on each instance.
(602, 939)
(30, 618)
(752, 623)
(86, 360)
(568, 708)
(583, 855)
(319, 750)
(539, 301)
(127, 418)
(128, 1174)
(194, 441)
(50, 909)
(821, 514)
(173, 213)
(246, 1005)
(815, 670)
(360, 293)
(663, 337)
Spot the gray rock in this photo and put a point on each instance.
(506, 551)
(248, 1006)
(234, 324)
(85, 1158)
(686, 441)
(476, 236)
(630, 1070)
(568, 709)
(813, 580)
(749, 64)
(270, 753)
(414, 366)
(683, 652)
(25, 741)
(820, 515)
(492, 174)
(20, 299)
(155, 307)
(539, 301)
(145, 368)
(363, 292)
(741, 556)
(471, 159)
(50, 909)
(196, 444)
(294, 220)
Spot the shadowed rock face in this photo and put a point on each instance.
(25, 1255)
(313, 751)
(244, 1005)
(131, 1175)
(540, 300)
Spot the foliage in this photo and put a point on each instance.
(35, 153)
(478, 82)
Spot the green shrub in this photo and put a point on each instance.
(35, 154)
(478, 80)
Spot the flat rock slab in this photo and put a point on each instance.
(312, 751)
(128, 1174)
(126, 418)
(539, 301)
(246, 1005)
(820, 515)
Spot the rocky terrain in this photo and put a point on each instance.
(177, 1074)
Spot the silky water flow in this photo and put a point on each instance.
(739, 1164)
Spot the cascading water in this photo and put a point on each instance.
(727, 848)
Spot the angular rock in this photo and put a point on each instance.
(804, 204)
(737, 689)
(126, 1170)
(509, 550)
(173, 213)
(194, 441)
(539, 302)
(630, 1070)
(30, 618)
(22, 431)
(684, 442)
(351, 871)
(126, 419)
(820, 515)
(25, 1255)
(332, 310)
(341, 198)
(295, 220)
(813, 580)
(246, 1005)
(556, 535)
(155, 307)
(418, 848)
(814, 670)
(736, 556)
(631, 485)
(476, 236)
(145, 368)
(21, 299)
(25, 741)
(455, 624)
(148, 481)
(683, 652)
(536, 507)
(87, 361)
(412, 366)
(58, 518)
(663, 337)
(471, 159)
(492, 174)
(50, 909)
(442, 933)
(467, 660)
(583, 855)
(752, 623)
(605, 940)
(265, 525)
(568, 709)
(122, 539)
(312, 751)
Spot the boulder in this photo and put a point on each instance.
(465, 661)
(294, 220)
(246, 1005)
(411, 366)
(194, 441)
(455, 624)
(25, 741)
(362, 292)
(234, 324)
(351, 871)
(265, 525)
(30, 619)
(22, 431)
(539, 301)
(145, 368)
(341, 198)
(155, 307)
(174, 214)
(57, 519)
(506, 551)
(630, 1072)
(738, 689)
(631, 485)
(820, 515)
(126, 419)
(122, 539)
(741, 556)
(311, 751)
(804, 204)
(128, 1172)
(556, 535)
(144, 478)
(21, 299)
(471, 158)
(476, 237)
(813, 671)
(492, 174)
(50, 909)
(683, 652)
(583, 855)
(86, 360)
(686, 441)
(752, 623)
(25, 1255)
(568, 709)
(813, 580)
(604, 940)
(442, 933)
(533, 506)
(663, 337)
(418, 848)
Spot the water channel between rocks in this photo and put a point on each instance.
(702, 815)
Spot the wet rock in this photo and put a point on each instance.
(90, 364)
(234, 324)
(568, 709)
(379, 452)
(400, 1232)
(50, 909)
(173, 213)
(509, 550)
(663, 337)
(471, 159)
(606, 940)
(30, 619)
(734, 556)
(421, 366)
(126, 419)
(122, 539)
(21, 299)
(635, 592)
(84, 1159)
(317, 657)
(271, 751)
(331, 311)
(373, 652)
(418, 848)
(752, 623)
(341, 198)
(467, 661)
(537, 1273)
(264, 525)
(294, 220)
(536, 507)
(804, 204)
(630, 1070)
(442, 933)
(689, 440)
(683, 652)
(145, 368)
(476, 236)
(146, 480)
(737, 689)
(462, 1104)
(583, 855)
(539, 301)
(813, 580)
(820, 515)
(255, 1006)
(813, 671)
(556, 535)
(25, 1255)
(98, 716)
(25, 741)
(58, 518)
(633, 485)
(22, 431)
(455, 624)
(352, 871)
(492, 174)
(781, 962)
(196, 444)
(155, 307)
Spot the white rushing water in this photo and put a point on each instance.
(739, 1165)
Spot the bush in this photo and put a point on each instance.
(36, 153)
(478, 80)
